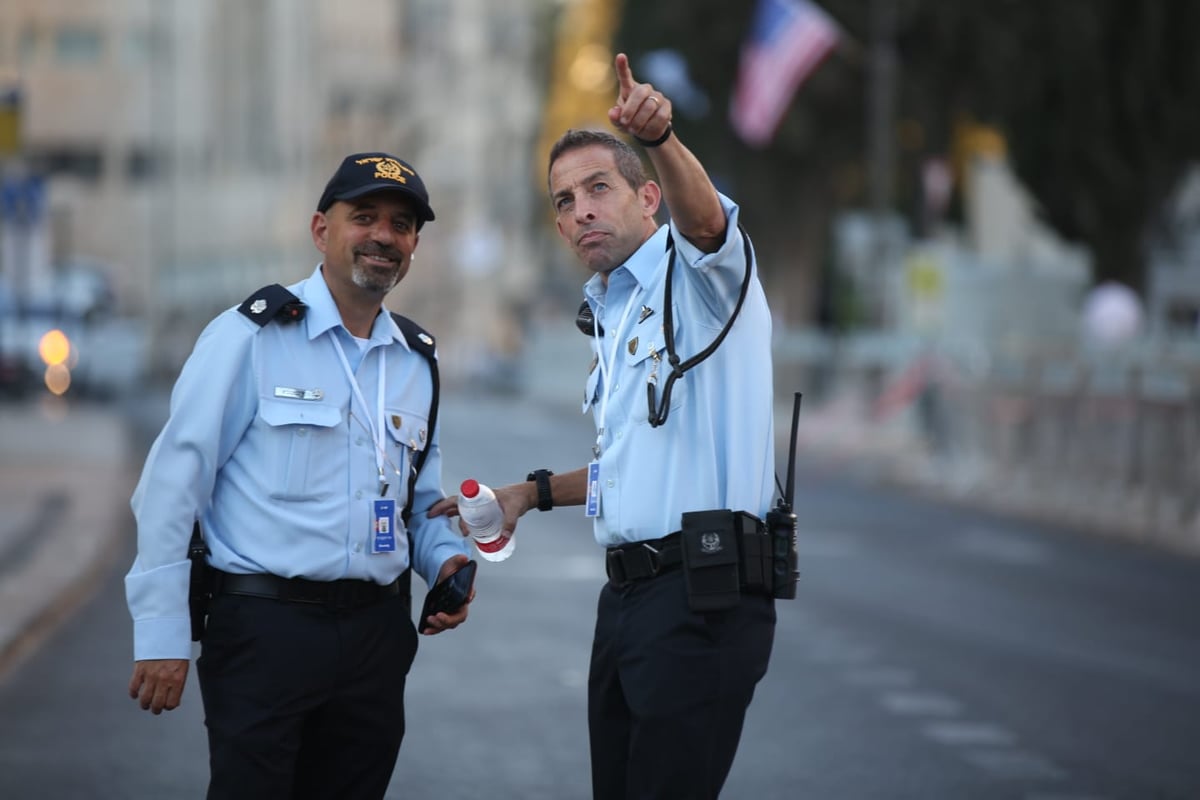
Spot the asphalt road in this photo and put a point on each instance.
(933, 652)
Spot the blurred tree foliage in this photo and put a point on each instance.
(1099, 101)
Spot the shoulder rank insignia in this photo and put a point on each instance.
(273, 302)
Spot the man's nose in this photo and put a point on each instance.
(584, 211)
(383, 232)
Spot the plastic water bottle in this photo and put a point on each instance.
(484, 518)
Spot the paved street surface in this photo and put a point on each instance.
(933, 652)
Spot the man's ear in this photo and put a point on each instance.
(651, 196)
(320, 230)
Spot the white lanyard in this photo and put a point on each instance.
(606, 370)
(375, 427)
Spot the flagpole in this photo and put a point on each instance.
(881, 100)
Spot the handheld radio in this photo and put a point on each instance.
(782, 524)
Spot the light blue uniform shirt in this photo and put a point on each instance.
(283, 485)
(716, 449)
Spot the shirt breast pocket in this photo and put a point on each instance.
(300, 430)
(646, 363)
(408, 434)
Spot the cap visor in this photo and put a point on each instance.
(423, 209)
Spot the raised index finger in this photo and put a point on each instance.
(625, 82)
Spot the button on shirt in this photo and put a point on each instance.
(268, 445)
(716, 449)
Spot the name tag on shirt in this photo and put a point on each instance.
(299, 394)
(383, 534)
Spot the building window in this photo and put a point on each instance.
(86, 163)
(142, 164)
(138, 49)
(27, 46)
(76, 44)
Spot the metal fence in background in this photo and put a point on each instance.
(1105, 439)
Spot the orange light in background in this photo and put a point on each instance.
(54, 347)
(58, 379)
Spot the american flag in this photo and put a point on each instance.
(788, 39)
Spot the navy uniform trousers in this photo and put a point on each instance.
(304, 700)
(668, 689)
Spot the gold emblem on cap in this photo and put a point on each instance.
(633, 345)
(396, 420)
(388, 168)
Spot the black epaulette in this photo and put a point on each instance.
(273, 302)
(420, 340)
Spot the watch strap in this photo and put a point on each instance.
(545, 500)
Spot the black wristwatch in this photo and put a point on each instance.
(545, 499)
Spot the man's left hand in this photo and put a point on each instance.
(443, 621)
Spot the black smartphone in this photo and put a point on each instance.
(448, 594)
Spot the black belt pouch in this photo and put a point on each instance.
(710, 560)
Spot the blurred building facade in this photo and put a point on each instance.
(185, 143)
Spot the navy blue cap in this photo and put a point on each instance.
(364, 173)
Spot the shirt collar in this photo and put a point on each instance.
(643, 266)
(322, 314)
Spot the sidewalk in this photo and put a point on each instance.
(65, 480)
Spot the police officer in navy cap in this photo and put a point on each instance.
(302, 438)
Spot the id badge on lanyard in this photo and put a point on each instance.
(607, 368)
(383, 534)
(383, 510)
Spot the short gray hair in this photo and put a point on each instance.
(628, 163)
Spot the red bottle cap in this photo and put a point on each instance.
(469, 488)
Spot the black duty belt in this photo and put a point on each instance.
(642, 560)
(346, 593)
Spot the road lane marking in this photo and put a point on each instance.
(920, 703)
(879, 677)
(955, 733)
(1012, 764)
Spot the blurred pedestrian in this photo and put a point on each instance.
(294, 428)
(677, 650)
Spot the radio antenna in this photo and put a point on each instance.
(789, 495)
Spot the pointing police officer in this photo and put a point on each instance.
(681, 640)
(301, 435)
